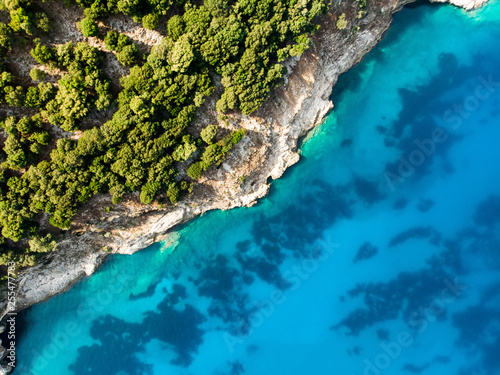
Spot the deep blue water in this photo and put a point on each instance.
(377, 254)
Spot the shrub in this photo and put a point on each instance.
(238, 135)
(111, 40)
(341, 22)
(122, 41)
(148, 192)
(89, 27)
(42, 54)
(195, 170)
(208, 133)
(14, 96)
(37, 74)
(150, 21)
(175, 27)
(42, 22)
(32, 98)
(127, 55)
(173, 192)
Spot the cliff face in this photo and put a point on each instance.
(267, 151)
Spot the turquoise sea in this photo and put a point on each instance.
(379, 253)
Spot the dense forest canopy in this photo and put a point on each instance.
(145, 143)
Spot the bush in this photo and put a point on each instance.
(40, 244)
(127, 55)
(42, 54)
(341, 22)
(111, 40)
(122, 41)
(14, 96)
(21, 19)
(148, 192)
(175, 27)
(212, 155)
(150, 21)
(37, 74)
(182, 55)
(238, 135)
(42, 22)
(32, 98)
(173, 192)
(362, 3)
(24, 125)
(208, 133)
(89, 27)
(195, 170)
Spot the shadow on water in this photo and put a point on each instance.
(413, 133)
(174, 325)
(416, 233)
(479, 328)
(409, 293)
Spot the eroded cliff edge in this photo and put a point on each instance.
(267, 151)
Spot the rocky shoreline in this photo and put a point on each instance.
(266, 152)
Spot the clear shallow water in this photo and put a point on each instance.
(378, 254)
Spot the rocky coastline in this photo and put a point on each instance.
(269, 148)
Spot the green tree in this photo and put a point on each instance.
(208, 133)
(5, 45)
(122, 41)
(98, 9)
(14, 96)
(185, 149)
(42, 22)
(32, 98)
(111, 40)
(42, 54)
(24, 125)
(65, 55)
(128, 55)
(173, 192)
(39, 244)
(22, 19)
(195, 170)
(150, 21)
(37, 74)
(182, 54)
(148, 192)
(89, 27)
(129, 7)
(47, 92)
(175, 27)
(15, 148)
(41, 138)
